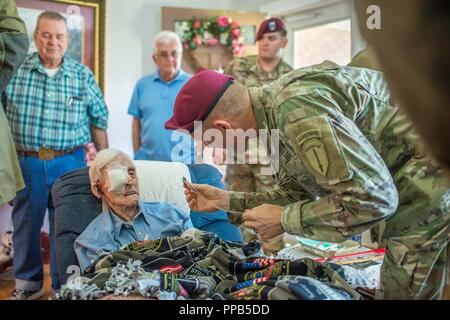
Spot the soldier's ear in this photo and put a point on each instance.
(285, 42)
(222, 125)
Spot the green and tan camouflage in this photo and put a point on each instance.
(349, 160)
(13, 49)
(248, 71)
(411, 45)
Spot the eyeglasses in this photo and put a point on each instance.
(165, 54)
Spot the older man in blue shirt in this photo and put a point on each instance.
(113, 179)
(152, 105)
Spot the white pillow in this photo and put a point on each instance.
(161, 181)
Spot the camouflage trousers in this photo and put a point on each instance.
(417, 261)
(248, 178)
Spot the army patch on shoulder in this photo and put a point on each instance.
(309, 134)
(316, 155)
(314, 140)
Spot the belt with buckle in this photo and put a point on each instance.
(46, 153)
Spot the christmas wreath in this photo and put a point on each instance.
(212, 31)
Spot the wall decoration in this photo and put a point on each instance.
(86, 23)
(211, 31)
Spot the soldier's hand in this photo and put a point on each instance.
(265, 220)
(205, 198)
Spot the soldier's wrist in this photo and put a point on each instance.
(225, 200)
(291, 218)
(236, 201)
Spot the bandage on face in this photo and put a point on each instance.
(118, 178)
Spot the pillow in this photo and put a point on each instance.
(161, 181)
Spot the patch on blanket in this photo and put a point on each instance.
(199, 265)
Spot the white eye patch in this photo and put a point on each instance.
(118, 177)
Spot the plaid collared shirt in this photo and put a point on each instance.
(53, 112)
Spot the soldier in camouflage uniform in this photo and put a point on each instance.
(413, 44)
(349, 160)
(252, 71)
(13, 49)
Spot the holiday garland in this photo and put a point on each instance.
(211, 31)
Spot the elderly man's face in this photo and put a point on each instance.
(129, 195)
(168, 59)
(51, 40)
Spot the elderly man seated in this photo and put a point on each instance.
(126, 219)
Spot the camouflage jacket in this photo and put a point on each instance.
(13, 49)
(340, 140)
(248, 71)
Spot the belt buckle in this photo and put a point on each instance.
(46, 154)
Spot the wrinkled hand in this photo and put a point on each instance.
(265, 220)
(215, 197)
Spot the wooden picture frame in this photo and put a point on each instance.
(86, 20)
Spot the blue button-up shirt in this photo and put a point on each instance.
(54, 112)
(108, 233)
(152, 103)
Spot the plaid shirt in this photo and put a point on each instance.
(54, 112)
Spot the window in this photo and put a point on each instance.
(331, 41)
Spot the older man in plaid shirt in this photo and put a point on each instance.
(54, 107)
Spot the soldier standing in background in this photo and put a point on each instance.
(256, 71)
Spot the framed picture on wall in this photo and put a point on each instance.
(248, 32)
(86, 24)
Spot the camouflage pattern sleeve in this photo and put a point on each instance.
(357, 190)
(281, 195)
(240, 201)
(13, 41)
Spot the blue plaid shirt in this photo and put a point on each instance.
(53, 112)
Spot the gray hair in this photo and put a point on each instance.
(102, 160)
(50, 15)
(166, 37)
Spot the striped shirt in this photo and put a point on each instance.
(53, 112)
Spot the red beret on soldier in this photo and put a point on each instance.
(197, 99)
(270, 25)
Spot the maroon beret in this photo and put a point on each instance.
(197, 98)
(270, 25)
